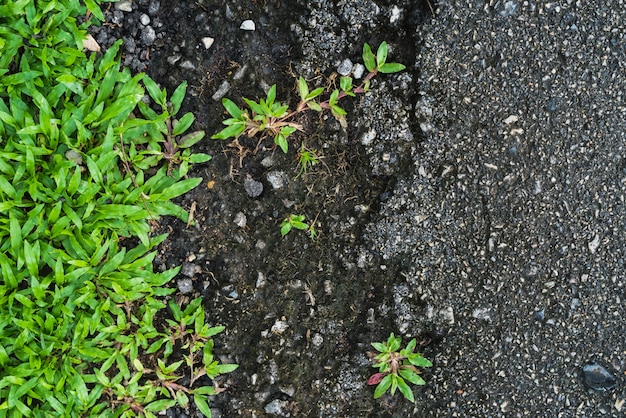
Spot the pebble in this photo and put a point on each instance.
(593, 245)
(247, 25)
(276, 178)
(124, 5)
(148, 36)
(153, 8)
(221, 91)
(240, 220)
(276, 407)
(144, 19)
(253, 188)
(185, 286)
(279, 327)
(359, 70)
(598, 378)
(345, 68)
(207, 41)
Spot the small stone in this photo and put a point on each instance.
(187, 65)
(247, 25)
(276, 407)
(144, 19)
(148, 36)
(287, 390)
(207, 41)
(260, 280)
(267, 162)
(190, 269)
(279, 327)
(598, 378)
(253, 188)
(124, 5)
(185, 286)
(154, 7)
(277, 179)
(593, 245)
(317, 339)
(345, 68)
(240, 220)
(221, 91)
(511, 119)
(359, 70)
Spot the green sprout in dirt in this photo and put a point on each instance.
(396, 367)
(269, 117)
(307, 158)
(298, 222)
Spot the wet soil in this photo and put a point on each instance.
(298, 312)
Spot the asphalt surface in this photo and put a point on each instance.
(513, 219)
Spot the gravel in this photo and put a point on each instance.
(512, 213)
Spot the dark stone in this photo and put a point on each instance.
(598, 378)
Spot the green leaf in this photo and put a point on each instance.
(392, 67)
(271, 96)
(183, 124)
(16, 234)
(232, 131)
(383, 386)
(227, 368)
(160, 405)
(314, 106)
(368, 58)
(158, 95)
(303, 88)
(412, 377)
(202, 405)
(281, 141)
(285, 227)
(419, 361)
(405, 390)
(180, 188)
(190, 139)
(254, 106)
(315, 93)
(178, 96)
(380, 347)
(232, 109)
(381, 54)
(94, 9)
(345, 83)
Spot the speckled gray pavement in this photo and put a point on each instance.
(512, 220)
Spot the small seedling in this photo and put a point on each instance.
(307, 158)
(269, 117)
(293, 221)
(396, 367)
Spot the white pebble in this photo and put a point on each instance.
(247, 25)
(207, 41)
(124, 5)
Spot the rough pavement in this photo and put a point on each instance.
(512, 220)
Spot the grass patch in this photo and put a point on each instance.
(87, 161)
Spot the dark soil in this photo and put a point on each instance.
(298, 312)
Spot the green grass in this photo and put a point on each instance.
(86, 165)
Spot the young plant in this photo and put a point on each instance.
(396, 367)
(307, 158)
(270, 118)
(293, 221)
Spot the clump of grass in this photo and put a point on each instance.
(85, 166)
